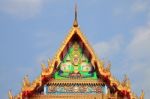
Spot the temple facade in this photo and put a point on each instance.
(75, 72)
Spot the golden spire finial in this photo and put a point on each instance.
(108, 66)
(43, 66)
(142, 95)
(126, 81)
(26, 81)
(10, 95)
(75, 23)
(48, 61)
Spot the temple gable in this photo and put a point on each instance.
(75, 72)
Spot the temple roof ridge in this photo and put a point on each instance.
(29, 88)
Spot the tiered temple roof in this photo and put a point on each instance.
(116, 89)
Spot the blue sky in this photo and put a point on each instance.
(31, 31)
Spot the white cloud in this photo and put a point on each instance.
(140, 6)
(138, 58)
(45, 42)
(21, 8)
(132, 9)
(107, 48)
(135, 61)
(139, 47)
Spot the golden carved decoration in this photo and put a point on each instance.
(142, 95)
(26, 83)
(10, 95)
(46, 71)
(108, 67)
(43, 67)
(126, 82)
(49, 62)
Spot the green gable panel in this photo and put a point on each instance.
(75, 65)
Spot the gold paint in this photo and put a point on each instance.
(142, 95)
(10, 95)
(46, 71)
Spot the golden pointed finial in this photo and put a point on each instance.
(142, 95)
(125, 78)
(26, 81)
(48, 61)
(108, 67)
(126, 81)
(75, 23)
(10, 95)
(43, 66)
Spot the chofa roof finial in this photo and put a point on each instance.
(75, 23)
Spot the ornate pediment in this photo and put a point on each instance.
(75, 69)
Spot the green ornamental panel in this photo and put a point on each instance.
(75, 65)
